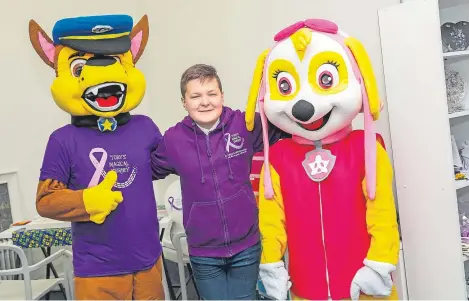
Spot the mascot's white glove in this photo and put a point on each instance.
(274, 277)
(374, 279)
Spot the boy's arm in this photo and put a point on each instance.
(274, 134)
(161, 165)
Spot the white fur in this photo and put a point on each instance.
(345, 105)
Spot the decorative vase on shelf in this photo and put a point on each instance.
(456, 88)
(455, 36)
(465, 156)
(457, 162)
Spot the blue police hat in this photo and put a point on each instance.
(105, 34)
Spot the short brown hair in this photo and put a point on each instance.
(201, 72)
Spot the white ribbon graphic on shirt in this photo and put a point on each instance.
(231, 144)
(99, 165)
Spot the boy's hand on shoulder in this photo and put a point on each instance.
(101, 200)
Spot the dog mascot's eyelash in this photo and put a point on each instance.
(276, 73)
(333, 63)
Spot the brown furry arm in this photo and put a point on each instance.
(55, 201)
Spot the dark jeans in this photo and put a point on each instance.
(232, 278)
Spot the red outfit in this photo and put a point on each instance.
(342, 218)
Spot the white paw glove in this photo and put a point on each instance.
(275, 279)
(374, 279)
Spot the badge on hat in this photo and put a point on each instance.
(101, 29)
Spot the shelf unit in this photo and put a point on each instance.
(455, 11)
(444, 4)
(430, 199)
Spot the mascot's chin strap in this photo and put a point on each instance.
(100, 122)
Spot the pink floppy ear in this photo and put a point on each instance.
(41, 42)
(139, 38)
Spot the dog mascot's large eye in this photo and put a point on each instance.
(286, 83)
(76, 66)
(327, 76)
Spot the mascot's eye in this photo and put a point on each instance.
(117, 59)
(76, 66)
(327, 76)
(286, 83)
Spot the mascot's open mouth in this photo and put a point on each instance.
(317, 124)
(105, 97)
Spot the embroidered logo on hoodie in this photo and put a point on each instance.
(234, 145)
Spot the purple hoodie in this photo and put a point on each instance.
(219, 207)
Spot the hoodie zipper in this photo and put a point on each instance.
(323, 242)
(217, 188)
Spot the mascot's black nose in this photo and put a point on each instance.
(100, 61)
(303, 110)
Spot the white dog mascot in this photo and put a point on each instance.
(326, 193)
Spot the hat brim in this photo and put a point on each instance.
(101, 46)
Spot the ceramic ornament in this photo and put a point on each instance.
(456, 88)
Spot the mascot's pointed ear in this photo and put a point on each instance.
(139, 38)
(255, 90)
(41, 42)
(369, 79)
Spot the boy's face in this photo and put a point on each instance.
(203, 101)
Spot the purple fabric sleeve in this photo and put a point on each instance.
(56, 162)
(160, 161)
(274, 134)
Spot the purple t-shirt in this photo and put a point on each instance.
(128, 240)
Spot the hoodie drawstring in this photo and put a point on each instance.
(231, 176)
(198, 153)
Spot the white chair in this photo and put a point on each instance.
(176, 250)
(25, 288)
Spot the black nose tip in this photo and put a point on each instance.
(100, 61)
(303, 110)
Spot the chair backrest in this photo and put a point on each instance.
(9, 257)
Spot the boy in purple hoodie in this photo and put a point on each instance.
(211, 150)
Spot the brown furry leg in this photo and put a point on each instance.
(148, 284)
(104, 288)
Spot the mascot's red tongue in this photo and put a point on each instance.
(314, 125)
(107, 101)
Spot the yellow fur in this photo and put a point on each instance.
(320, 59)
(254, 91)
(285, 66)
(366, 69)
(74, 76)
(301, 40)
(381, 217)
(67, 90)
(272, 220)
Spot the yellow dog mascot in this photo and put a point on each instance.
(326, 193)
(96, 170)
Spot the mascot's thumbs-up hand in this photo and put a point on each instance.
(374, 279)
(100, 200)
